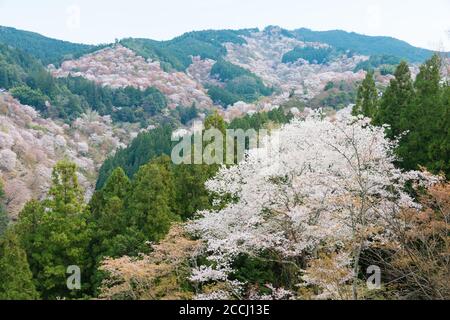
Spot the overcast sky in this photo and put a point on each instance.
(421, 23)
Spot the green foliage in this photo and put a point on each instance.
(222, 96)
(256, 272)
(419, 109)
(330, 85)
(191, 195)
(177, 52)
(394, 106)
(149, 203)
(258, 121)
(16, 279)
(240, 84)
(384, 62)
(365, 45)
(30, 97)
(187, 114)
(335, 95)
(311, 54)
(55, 235)
(367, 97)
(42, 48)
(145, 147)
(226, 71)
(427, 119)
(67, 98)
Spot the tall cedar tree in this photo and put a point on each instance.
(394, 106)
(150, 201)
(15, 274)
(425, 120)
(55, 235)
(367, 97)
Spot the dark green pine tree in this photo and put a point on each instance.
(367, 97)
(16, 279)
(191, 194)
(149, 203)
(55, 235)
(424, 118)
(114, 232)
(396, 101)
(439, 151)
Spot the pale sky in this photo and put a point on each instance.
(422, 23)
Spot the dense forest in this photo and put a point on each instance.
(177, 53)
(365, 44)
(310, 54)
(68, 98)
(328, 195)
(385, 63)
(419, 108)
(140, 195)
(46, 50)
(240, 84)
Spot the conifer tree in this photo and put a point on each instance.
(367, 97)
(424, 119)
(396, 101)
(16, 279)
(149, 202)
(55, 235)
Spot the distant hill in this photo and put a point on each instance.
(366, 45)
(45, 49)
(176, 53)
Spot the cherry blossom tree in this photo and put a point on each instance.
(331, 188)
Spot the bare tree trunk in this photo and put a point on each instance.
(356, 255)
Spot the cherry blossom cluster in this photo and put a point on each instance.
(332, 184)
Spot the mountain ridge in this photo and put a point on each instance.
(51, 50)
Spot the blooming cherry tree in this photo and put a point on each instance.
(332, 186)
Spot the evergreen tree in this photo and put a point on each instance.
(16, 279)
(55, 235)
(396, 101)
(425, 118)
(367, 97)
(66, 195)
(149, 203)
(191, 193)
(114, 233)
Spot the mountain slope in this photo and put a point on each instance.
(45, 49)
(176, 53)
(366, 45)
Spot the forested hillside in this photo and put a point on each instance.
(366, 45)
(177, 53)
(68, 98)
(46, 50)
(344, 168)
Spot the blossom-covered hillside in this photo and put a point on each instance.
(30, 146)
(119, 67)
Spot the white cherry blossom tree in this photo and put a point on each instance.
(331, 187)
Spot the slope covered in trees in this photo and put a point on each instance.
(44, 49)
(240, 84)
(176, 53)
(149, 145)
(310, 54)
(67, 98)
(363, 44)
(417, 112)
